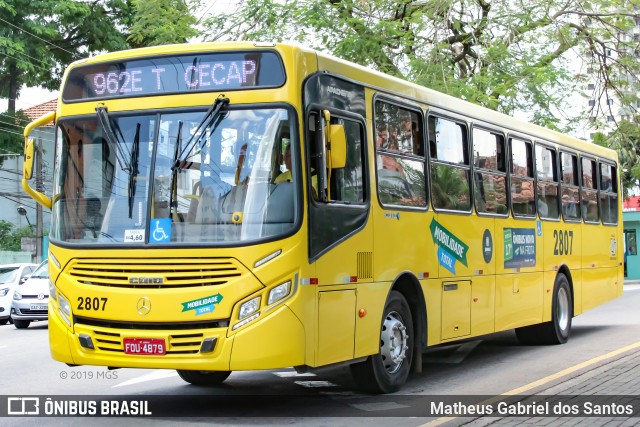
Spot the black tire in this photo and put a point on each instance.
(556, 331)
(21, 324)
(4, 321)
(204, 378)
(388, 370)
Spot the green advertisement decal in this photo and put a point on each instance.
(202, 305)
(448, 242)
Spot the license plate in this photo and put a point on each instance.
(153, 346)
(38, 307)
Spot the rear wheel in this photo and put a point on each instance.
(388, 370)
(21, 324)
(4, 321)
(204, 378)
(556, 331)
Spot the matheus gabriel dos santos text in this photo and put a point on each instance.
(530, 409)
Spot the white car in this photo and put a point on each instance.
(10, 276)
(31, 298)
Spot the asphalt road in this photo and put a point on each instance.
(491, 365)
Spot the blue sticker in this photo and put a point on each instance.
(446, 260)
(205, 309)
(539, 228)
(160, 230)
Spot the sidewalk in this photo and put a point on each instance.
(616, 381)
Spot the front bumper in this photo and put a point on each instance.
(22, 310)
(276, 341)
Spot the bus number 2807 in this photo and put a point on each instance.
(88, 303)
(564, 242)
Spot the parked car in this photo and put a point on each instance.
(31, 298)
(10, 276)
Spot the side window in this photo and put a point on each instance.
(547, 182)
(399, 156)
(450, 169)
(589, 190)
(522, 182)
(490, 177)
(346, 183)
(608, 194)
(345, 188)
(570, 187)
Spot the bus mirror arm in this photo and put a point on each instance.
(29, 156)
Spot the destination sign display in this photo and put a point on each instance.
(206, 72)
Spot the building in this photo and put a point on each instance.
(631, 219)
(12, 196)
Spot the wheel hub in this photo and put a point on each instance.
(393, 342)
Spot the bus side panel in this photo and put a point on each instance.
(483, 301)
(371, 297)
(433, 297)
(518, 300)
(519, 252)
(562, 247)
(599, 263)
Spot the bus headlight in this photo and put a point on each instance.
(279, 292)
(53, 294)
(17, 296)
(65, 309)
(248, 308)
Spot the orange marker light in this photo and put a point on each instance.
(362, 312)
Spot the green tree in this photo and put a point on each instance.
(11, 237)
(157, 22)
(11, 139)
(626, 141)
(39, 39)
(509, 56)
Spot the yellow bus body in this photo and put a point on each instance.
(336, 307)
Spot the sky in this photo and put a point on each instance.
(29, 97)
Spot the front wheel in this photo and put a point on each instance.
(204, 378)
(21, 324)
(388, 370)
(558, 329)
(4, 321)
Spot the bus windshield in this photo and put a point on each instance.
(172, 178)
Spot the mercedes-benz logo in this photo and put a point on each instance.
(40, 296)
(144, 306)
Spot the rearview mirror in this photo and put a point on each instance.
(29, 151)
(338, 147)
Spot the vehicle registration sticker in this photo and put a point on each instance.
(153, 346)
(38, 307)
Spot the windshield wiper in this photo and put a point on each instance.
(133, 168)
(111, 137)
(174, 172)
(211, 118)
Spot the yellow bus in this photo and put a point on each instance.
(406, 218)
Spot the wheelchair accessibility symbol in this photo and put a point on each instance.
(160, 230)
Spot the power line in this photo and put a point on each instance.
(18, 119)
(28, 56)
(33, 35)
(25, 61)
(22, 135)
(12, 124)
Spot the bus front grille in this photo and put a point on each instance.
(154, 273)
(177, 343)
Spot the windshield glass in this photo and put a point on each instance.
(42, 272)
(157, 179)
(8, 275)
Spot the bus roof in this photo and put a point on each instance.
(373, 79)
